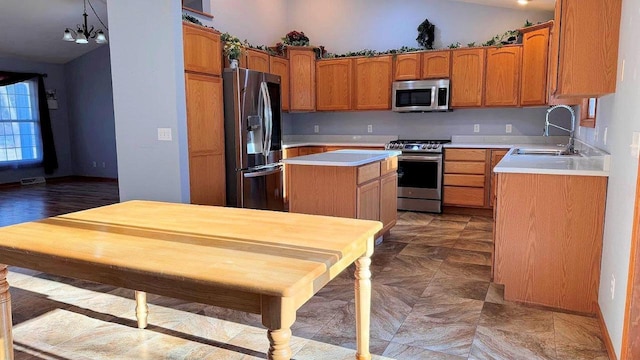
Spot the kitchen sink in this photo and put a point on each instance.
(547, 152)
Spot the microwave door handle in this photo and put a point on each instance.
(434, 90)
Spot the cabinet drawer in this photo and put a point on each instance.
(463, 196)
(368, 172)
(459, 167)
(465, 154)
(464, 180)
(388, 165)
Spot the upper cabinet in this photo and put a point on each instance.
(257, 60)
(280, 66)
(334, 81)
(535, 53)
(202, 50)
(585, 48)
(407, 67)
(467, 77)
(436, 64)
(502, 83)
(373, 83)
(302, 78)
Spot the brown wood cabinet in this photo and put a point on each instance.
(436, 64)
(308, 150)
(302, 78)
(205, 136)
(407, 67)
(280, 66)
(202, 49)
(257, 60)
(205, 114)
(467, 77)
(535, 54)
(334, 84)
(464, 177)
(373, 83)
(365, 192)
(585, 48)
(548, 239)
(502, 81)
(496, 156)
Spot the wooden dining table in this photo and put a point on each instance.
(256, 261)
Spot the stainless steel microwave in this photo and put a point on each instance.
(420, 95)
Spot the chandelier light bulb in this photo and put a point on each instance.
(523, 2)
(100, 37)
(81, 38)
(67, 36)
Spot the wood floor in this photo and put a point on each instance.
(432, 299)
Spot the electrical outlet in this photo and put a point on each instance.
(369, 128)
(476, 128)
(94, 164)
(613, 287)
(164, 134)
(508, 129)
(316, 128)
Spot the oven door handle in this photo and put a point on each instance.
(420, 158)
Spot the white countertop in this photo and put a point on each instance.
(591, 162)
(342, 158)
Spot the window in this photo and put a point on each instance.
(20, 141)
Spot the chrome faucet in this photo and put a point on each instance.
(570, 146)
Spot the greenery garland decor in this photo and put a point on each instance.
(426, 34)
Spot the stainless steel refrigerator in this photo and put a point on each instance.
(253, 139)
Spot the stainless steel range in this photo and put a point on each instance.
(419, 174)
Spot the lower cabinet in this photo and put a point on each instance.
(363, 192)
(548, 239)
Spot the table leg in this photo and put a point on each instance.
(278, 314)
(142, 310)
(363, 306)
(6, 337)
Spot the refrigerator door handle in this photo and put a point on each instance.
(254, 174)
(268, 121)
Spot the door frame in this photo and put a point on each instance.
(631, 328)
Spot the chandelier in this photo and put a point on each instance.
(83, 32)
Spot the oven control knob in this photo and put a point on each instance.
(398, 146)
(424, 146)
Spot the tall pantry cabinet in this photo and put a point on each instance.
(205, 114)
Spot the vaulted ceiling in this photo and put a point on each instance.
(32, 29)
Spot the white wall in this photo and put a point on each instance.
(258, 21)
(620, 115)
(353, 25)
(147, 67)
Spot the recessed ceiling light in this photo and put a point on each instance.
(523, 2)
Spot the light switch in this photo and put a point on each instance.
(508, 129)
(164, 134)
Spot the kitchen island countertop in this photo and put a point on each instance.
(342, 158)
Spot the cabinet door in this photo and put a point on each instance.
(333, 80)
(373, 83)
(257, 60)
(302, 79)
(407, 67)
(496, 156)
(467, 77)
(308, 150)
(202, 50)
(502, 83)
(368, 201)
(588, 47)
(436, 64)
(389, 200)
(205, 124)
(535, 52)
(280, 66)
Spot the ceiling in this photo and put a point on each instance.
(35, 27)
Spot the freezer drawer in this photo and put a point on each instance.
(262, 189)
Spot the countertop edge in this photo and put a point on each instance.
(295, 145)
(319, 162)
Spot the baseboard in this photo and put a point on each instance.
(467, 211)
(61, 179)
(605, 333)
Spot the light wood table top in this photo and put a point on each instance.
(221, 256)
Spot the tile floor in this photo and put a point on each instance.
(432, 299)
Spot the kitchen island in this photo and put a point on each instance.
(549, 218)
(359, 184)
